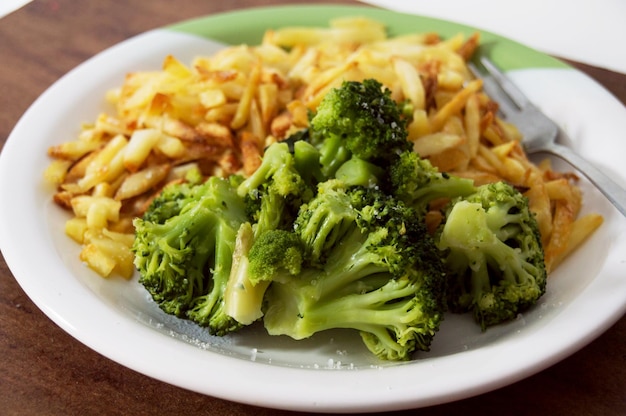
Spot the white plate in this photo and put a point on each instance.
(333, 371)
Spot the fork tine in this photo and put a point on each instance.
(514, 93)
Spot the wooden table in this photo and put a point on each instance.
(44, 371)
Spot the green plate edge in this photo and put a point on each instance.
(247, 26)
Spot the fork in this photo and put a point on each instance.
(540, 132)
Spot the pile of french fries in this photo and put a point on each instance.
(218, 113)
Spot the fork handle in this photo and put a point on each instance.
(611, 190)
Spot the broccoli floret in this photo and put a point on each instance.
(172, 199)
(358, 119)
(494, 254)
(274, 253)
(256, 263)
(184, 260)
(324, 221)
(377, 271)
(286, 178)
(417, 182)
(275, 191)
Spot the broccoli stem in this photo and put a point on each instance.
(243, 299)
(208, 309)
(365, 311)
(272, 205)
(343, 294)
(333, 154)
(358, 172)
(349, 262)
(444, 186)
(307, 163)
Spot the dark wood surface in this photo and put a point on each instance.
(44, 371)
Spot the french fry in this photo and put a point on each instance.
(411, 83)
(97, 260)
(467, 49)
(212, 98)
(73, 150)
(514, 171)
(317, 89)
(56, 171)
(75, 228)
(256, 125)
(455, 105)
(251, 152)
(106, 166)
(106, 255)
(564, 216)
(559, 189)
(419, 125)
(139, 147)
(216, 134)
(268, 97)
(347, 30)
(472, 125)
(299, 113)
(243, 109)
(117, 251)
(435, 143)
(142, 181)
(581, 229)
(541, 205)
(450, 159)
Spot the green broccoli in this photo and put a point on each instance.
(273, 253)
(325, 220)
(256, 263)
(273, 194)
(172, 199)
(275, 191)
(494, 254)
(359, 172)
(329, 232)
(184, 249)
(358, 119)
(306, 156)
(417, 182)
(368, 264)
(307, 163)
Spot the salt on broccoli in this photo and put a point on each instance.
(374, 269)
(417, 182)
(184, 249)
(358, 119)
(494, 254)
